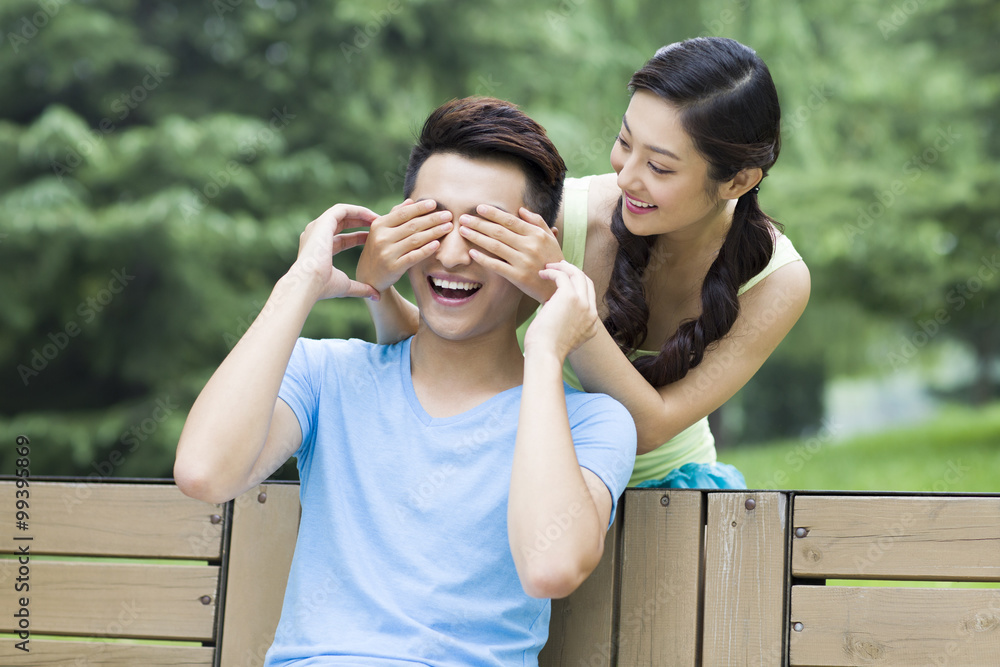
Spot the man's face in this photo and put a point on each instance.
(459, 299)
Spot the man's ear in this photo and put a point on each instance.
(741, 183)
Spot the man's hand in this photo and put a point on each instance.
(569, 318)
(400, 239)
(520, 246)
(321, 240)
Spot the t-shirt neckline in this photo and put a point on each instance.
(406, 377)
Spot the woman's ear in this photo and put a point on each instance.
(741, 183)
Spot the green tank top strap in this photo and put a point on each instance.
(576, 192)
(784, 253)
(574, 244)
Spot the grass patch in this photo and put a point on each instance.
(956, 451)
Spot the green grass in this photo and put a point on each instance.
(958, 450)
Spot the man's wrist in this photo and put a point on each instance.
(544, 358)
(298, 284)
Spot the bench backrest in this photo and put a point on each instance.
(139, 574)
(688, 578)
(699, 578)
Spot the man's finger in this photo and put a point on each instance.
(362, 290)
(349, 240)
(358, 216)
(555, 274)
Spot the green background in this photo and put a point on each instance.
(159, 159)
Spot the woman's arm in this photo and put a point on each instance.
(547, 485)
(408, 234)
(238, 432)
(767, 313)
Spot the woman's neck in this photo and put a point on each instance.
(697, 244)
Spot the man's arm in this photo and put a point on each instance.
(238, 432)
(550, 494)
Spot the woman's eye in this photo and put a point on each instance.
(657, 170)
(624, 144)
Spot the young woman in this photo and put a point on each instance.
(696, 285)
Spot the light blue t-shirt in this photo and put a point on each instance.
(402, 557)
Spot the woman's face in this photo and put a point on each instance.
(663, 179)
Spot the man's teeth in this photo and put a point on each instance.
(640, 204)
(451, 284)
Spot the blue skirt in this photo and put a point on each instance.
(698, 476)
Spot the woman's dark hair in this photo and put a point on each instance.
(729, 107)
(485, 127)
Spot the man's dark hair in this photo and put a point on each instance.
(488, 128)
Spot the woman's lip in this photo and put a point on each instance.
(637, 210)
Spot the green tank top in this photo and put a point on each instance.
(695, 444)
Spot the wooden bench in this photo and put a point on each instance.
(135, 573)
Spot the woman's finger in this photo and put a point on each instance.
(493, 264)
(408, 260)
(502, 250)
(404, 212)
(503, 218)
(533, 218)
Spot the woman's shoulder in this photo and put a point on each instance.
(603, 197)
(786, 273)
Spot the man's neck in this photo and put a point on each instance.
(451, 377)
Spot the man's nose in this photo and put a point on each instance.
(454, 250)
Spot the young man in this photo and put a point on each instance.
(449, 485)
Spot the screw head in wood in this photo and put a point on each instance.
(215, 518)
(665, 500)
(797, 627)
(261, 497)
(205, 599)
(750, 503)
(801, 532)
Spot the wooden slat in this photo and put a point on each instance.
(661, 562)
(920, 537)
(137, 520)
(261, 547)
(744, 579)
(892, 627)
(120, 600)
(49, 653)
(581, 630)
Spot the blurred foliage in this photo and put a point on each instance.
(954, 452)
(161, 157)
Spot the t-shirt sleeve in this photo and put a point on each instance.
(301, 393)
(605, 440)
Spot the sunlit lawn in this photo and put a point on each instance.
(958, 450)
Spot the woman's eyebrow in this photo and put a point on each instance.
(655, 149)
